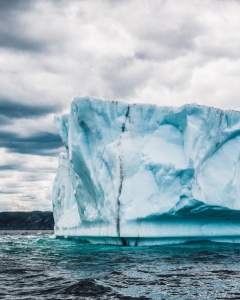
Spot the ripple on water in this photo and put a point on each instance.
(36, 265)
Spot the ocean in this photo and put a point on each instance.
(36, 265)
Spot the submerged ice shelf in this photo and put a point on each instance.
(145, 174)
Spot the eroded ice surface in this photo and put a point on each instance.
(145, 174)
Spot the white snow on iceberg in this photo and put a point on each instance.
(136, 174)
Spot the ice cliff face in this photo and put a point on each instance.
(142, 174)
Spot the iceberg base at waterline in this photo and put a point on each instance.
(141, 174)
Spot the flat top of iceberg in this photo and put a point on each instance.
(193, 104)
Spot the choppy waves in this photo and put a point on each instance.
(35, 265)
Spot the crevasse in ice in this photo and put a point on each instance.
(140, 174)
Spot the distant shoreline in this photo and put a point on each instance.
(33, 220)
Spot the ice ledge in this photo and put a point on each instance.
(127, 241)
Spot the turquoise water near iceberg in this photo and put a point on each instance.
(36, 265)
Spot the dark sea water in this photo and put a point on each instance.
(36, 265)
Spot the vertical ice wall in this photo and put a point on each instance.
(144, 171)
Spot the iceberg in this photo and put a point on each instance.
(142, 174)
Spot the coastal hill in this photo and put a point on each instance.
(33, 220)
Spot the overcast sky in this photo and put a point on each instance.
(163, 52)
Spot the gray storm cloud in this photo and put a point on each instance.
(163, 52)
